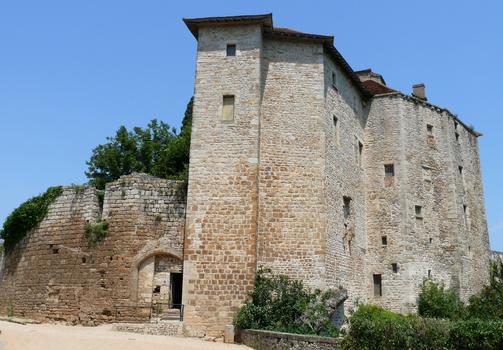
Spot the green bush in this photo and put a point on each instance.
(278, 303)
(437, 302)
(372, 327)
(476, 334)
(96, 232)
(27, 216)
(488, 303)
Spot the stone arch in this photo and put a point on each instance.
(151, 267)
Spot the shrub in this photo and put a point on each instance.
(476, 334)
(278, 303)
(372, 327)
(27, 216)
(488, 303)
(96, 232)
(437, 302)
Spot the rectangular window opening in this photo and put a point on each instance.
(346, 206)
(457, 136)
(465, 214)
(429, 273)
(384, 240)
(429, 129)
(334, 80)
(228, 108)
(419, 212)
(389, 170)
(394, 267)
(336, 129)
(231, 49)
(377, 285)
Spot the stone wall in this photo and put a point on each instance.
(420, 209)
(54, 274)
(496, 257)
(267, 340)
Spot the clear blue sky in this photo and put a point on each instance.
(71, 72)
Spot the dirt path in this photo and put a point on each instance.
(56, 337)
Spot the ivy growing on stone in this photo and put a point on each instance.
(27, 217)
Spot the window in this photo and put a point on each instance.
(334, 80)
(431, 240)
(228, 108)
(384, 240)
(460, 169)
(231, 49)
(429, 273)
(377, 286)
(336, 129)
(389, 170)
(346, 206)
(394, 267)
(389, 174)
(358, 151)
(456, 134)
(455, 125)
(429, 129)
(465, 214)
(419, 212)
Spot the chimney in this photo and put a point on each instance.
(418, 91)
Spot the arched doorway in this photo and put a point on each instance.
(160, 281)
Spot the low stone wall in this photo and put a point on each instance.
(169, 328)
(267, 340)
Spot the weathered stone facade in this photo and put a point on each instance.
(54, 274)
(324, 174)
(297, 163)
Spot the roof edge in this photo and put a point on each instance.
(430, 105)
(194, 23)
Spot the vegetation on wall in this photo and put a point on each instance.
(27, 216)
(278, 303)
(155, 150)
(95, 232)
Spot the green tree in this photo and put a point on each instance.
(156, 150)
(488, 303)
(437, 302)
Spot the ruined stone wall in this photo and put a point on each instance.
(344, 120)
(54, 274)
(292, 219)
(434, 242)
(220, 244)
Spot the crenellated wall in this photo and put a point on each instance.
(55, 274)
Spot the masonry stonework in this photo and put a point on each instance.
(312, 169)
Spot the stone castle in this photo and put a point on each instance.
(297, 163)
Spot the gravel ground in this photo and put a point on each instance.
(58, 337)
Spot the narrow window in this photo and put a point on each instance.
(231, 49)
(346, 206)
(358, 151)
(455, 125)
(419, 212)
(429, 273)
(429, 129)
(349, 247)
(334, 80)
(377, 286)
(389, 174)
(431, 240)
(457, 136)
(384, 240)
(394, 267)
(336, 129)
(460, 169)
(228, 108)
(465, 214)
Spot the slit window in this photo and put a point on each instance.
(358, 151)
(465, 214)
(346, 206)
(394, 267)
(228, 108)
(336, 129)
(429, 129)
(231, 50)
(334, 80)
(456, 134)
(384, 240)
(377, 285)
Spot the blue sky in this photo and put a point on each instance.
(71, 72)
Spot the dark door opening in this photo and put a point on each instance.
(176, 289)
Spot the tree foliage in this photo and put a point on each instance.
(488, 303)
(278, 303)
(438, 302)
(157, 150)
(27, 216)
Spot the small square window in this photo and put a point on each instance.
(231, 49)
(394, 267)
(377, 285)
(228, 108)
(419, 211)
(389, 170)
(384, 240)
